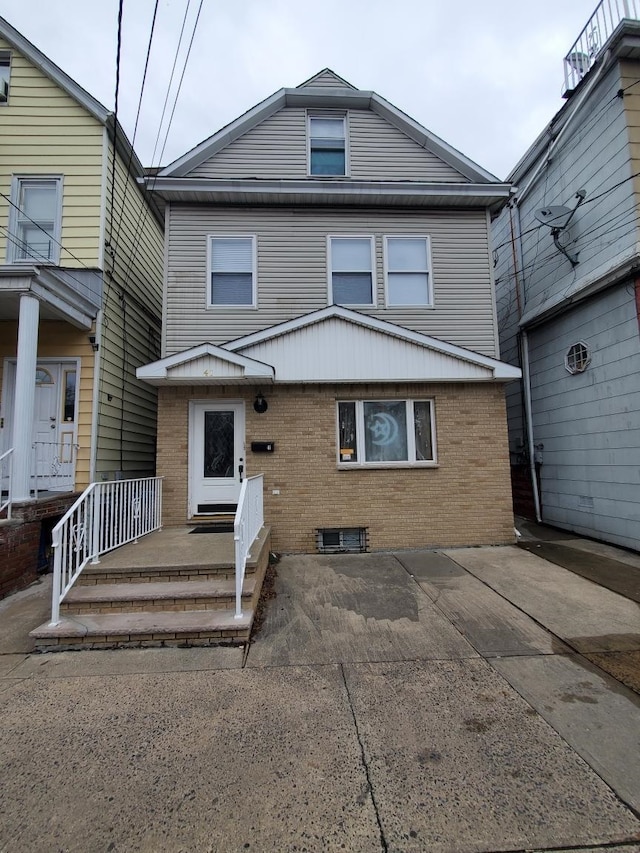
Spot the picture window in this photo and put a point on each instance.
(386, 432)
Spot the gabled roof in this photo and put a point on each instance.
(333, 344)
(343, 96)
(204, 364)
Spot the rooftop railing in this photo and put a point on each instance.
(599, 28)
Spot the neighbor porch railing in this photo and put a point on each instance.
(53, 466)
(587, 47)
(6, 462)
(105, 516)
(246, 526)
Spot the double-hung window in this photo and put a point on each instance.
(35, 219)
(408, 271)
(232, 270)
(327, 145)
(386, 432)
(351, 264)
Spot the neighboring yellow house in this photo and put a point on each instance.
(80, 301)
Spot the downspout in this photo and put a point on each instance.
(526, 380)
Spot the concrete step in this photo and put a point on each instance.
(113, 574)
(185, 628)
(172, 596)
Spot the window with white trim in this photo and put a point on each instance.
(35, 220)
(386, 432)
(232, 270)
(408, 271)
(327, 145)
(351, 264)
(577, 358)
(5, 75)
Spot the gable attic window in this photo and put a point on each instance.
(232, 270)
(35, 220)
(5, 75)
(408, 271)
(327, 145)
(351, 263)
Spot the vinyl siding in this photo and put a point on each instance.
(292, 271)
(589, 423)
(325, 80)
(44, 131)
(593, 155)
(277, 149)
(131, 331)
(628, 80)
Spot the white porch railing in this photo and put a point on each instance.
(105, 516)
(246, 526)
(53, 466)
(587, 47)
(6, 461)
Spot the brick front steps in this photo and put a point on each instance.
(140, 596)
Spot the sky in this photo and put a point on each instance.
(484, 76)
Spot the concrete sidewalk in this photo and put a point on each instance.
(417, 701)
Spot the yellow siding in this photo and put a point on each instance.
(58, 340)
(629, 77)
(44, 131)
(131, 333)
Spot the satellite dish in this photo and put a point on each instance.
(554, 215)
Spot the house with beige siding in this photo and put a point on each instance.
(80, 295)
(329, 322)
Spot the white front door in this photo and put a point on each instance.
(53, 432)
(216, 457)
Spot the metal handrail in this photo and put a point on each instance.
(6, 459)
(588, 46)
(248, 522)
(105, 516)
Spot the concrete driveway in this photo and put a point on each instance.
(417, 701)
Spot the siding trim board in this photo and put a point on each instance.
(338, 191)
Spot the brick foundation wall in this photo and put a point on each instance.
(466, 500)
(20, 540)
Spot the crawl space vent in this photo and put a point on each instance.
(341, 540)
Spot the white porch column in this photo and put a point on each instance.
(24, 395)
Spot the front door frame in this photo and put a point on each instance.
(66, 432)
(196, 407)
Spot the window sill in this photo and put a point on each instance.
(383, 466)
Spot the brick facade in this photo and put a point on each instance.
(20, 540)
(466, 500)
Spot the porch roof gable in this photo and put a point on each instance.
(205, 364)
(333, 344)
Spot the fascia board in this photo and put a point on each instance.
(500, 369)
(223, 137)
(51, 70)
(159, 369)
(431, 142)
(488, 193)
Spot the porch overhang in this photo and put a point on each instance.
(332, 345)
(206, 364)
(63, 294)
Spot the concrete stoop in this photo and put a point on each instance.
(162, 603)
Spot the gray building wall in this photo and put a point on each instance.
(588, 422)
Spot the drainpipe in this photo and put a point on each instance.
(526, 381)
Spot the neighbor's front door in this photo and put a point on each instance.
(216, 457)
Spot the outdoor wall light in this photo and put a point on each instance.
(260, 405)
(94, 346)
